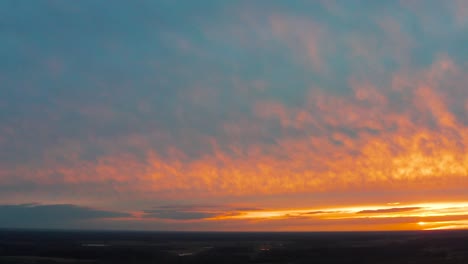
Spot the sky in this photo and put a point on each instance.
(216, 115)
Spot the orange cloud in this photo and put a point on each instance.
(365, 142)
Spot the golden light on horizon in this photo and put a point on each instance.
(399, 216)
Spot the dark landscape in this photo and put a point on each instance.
(45, 246)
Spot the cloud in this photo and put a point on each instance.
(51, 215)
(183, 212)
(304, 36)
(316, 212)
(195, 212)
(178, 215)
(389, 210)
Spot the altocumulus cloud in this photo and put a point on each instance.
(51, 215)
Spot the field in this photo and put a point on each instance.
(25, 246)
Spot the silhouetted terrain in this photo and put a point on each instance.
(21, 246)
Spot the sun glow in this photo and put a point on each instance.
(452, 215)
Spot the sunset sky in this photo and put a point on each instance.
(217, 115)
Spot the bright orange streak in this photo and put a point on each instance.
(358, 212)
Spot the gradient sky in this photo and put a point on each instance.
(234, 115)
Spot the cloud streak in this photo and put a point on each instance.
(389, 210)
(51, 215)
